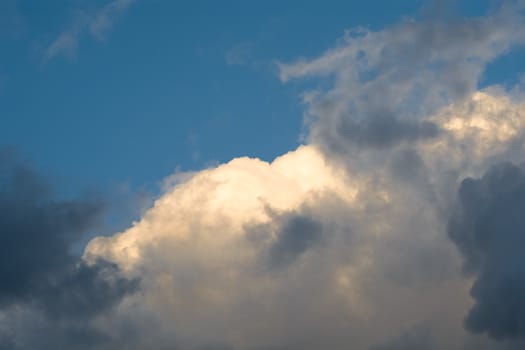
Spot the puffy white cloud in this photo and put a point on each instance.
(229, 197)
(366, 256)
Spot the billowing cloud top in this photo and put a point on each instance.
(398, 225)
(306, 252)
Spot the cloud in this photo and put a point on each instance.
(240, 54)
(65, 44)
(296, 233)
(488, 228)
(385, 84)
(40, 277)
(385, 131)
(103, 20)
(97, 24)
(304, 253)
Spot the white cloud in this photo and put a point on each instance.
(380, 265)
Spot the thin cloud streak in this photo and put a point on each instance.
(97, 25)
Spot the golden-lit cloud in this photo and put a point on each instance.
(305, 251)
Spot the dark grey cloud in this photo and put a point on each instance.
(295, 233)
(36, 231)
(488, 228)
(39, 270)
(86, 291)
(383, 130)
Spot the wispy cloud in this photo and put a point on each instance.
(240, 54)
(103, 21)
(96, 24)
(385, 81)
(65, 44)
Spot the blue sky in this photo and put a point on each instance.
(169, 85)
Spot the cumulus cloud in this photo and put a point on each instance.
(97, 24)
(301, 253)
(488, 229)
(342, 243)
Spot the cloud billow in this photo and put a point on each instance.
(38, 269)
(489, 230)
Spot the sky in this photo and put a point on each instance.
(166, 85)
(262, 175)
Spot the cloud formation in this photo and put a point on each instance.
(343, 242)
(40, 276)
(387, 83)
(303, 253)
(368, 237)
(97, 24)
(488, 229)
